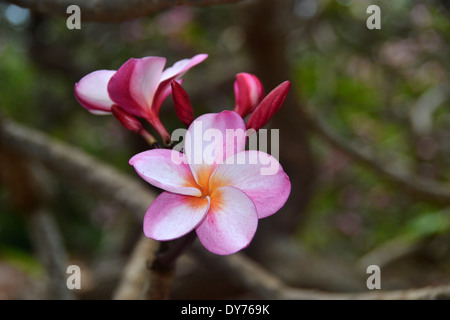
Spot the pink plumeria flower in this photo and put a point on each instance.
(248, 92)
(139, 87)
(221, 199)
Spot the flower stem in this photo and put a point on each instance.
(169, 252)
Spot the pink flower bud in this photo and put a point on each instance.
(126, 119)
(268, 106)
(183, 107)
(248, 92)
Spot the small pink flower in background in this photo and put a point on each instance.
(222, 200)
(248, 92)
(139, 87)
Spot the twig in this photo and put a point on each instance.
(110, 10)
(27, 182)
(240, 269)
(49, 246)
(79, 168)
(427, 190)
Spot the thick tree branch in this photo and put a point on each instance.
(110, 10)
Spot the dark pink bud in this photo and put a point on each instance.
(248, 92)
(183, 106)
(126, 119)
(269, 106)
(131, 123)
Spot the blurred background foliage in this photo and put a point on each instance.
(386, 90)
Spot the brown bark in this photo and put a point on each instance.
(109, 10)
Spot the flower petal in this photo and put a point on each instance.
(210, 139)
(165, 169)
(248, 92)
(171, 216)
(173, 73)
(259, 176)
(134, 85)
(231, 222)
(91, 91)
(180, 67)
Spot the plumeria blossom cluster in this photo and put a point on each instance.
(221, 197)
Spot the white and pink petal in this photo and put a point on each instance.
(134, 85)
(170, 74)
(171, 216)
(210, 139)
(230, 224)
(259, 175)
(91, 91)
(180, 67)
(167, 170)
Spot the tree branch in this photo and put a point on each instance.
(77, 167)
(50, 249)
(132, 282)
(110, 10)
(240, 269)
(427, 190)
(27, 182)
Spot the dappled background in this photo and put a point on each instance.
(364, 138)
